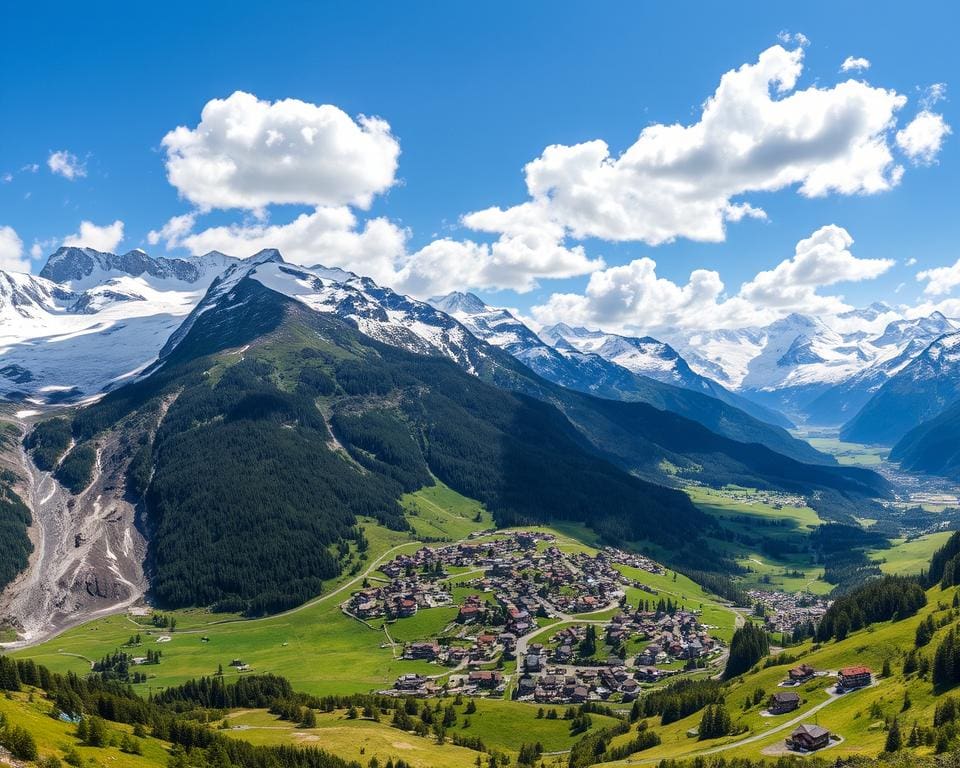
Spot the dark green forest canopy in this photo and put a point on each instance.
(265, 540)
(15, 545)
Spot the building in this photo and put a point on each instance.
(802, 673)
(422, 651)
(807, 738)
(781, 703)
(485, 678)
(855, 677)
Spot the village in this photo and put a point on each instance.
(786, 611)
(507, 588)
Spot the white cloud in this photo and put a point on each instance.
(855, 64)
(248, 153)
(789, 38)
(820, 260)
(923, 137)
(66, 164)
(173, 231)
(328, 236)
(911, 261)
(633, 298)
(31, 168)
(756, 133)
(7, 178)
(11, 251)
(105, 238)
(940, 280)
(933, 94)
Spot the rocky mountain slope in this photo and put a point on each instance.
(920, 391)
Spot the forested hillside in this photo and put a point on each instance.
(15, 546)
(932, 447)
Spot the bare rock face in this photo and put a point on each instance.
(89, 550)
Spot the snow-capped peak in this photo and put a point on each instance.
(458, 302)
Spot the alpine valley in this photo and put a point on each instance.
(256, 513)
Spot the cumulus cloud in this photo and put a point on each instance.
(940, 280)
(327, 235)
(820, 260)
(249, 153)
(855, 64)
(923, 137)
(756, 133)
(633, 298)
(66, 164)
(11, 251)
(100, 238)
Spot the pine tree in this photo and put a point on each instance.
(894, 739)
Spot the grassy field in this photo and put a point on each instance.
(503, 726)
(854, 454)
(848, 715)
(750, 514)
(53, 737)
(440, 512)
(910, 557)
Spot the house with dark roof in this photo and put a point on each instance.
(808, 737)
(782, 702)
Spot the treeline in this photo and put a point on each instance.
(885, 599)
(76, 470)
(178, 720)
(945, 564)
(678, 700)
(750, 643)
(15, 518)
(48, 441)
(720, 584)
(595, 746)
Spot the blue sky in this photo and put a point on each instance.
(471, 93)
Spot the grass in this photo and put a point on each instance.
(907, 557)
(852, 454)
(503, 726)
(439, 512)
(54, 736)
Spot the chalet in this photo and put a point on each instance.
(852, 678)
(807, 738)
(781, 703)
(409, 682)
(422, 651)
(801, 674)
(485, 678)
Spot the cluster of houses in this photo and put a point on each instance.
(559, 685)
(783, 611)
(672, 637)
(634, 560)
(400, 598)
